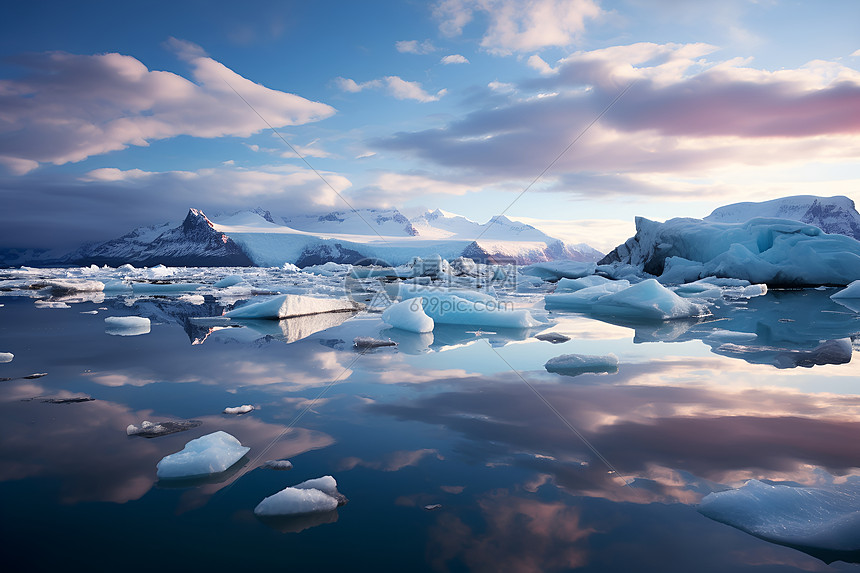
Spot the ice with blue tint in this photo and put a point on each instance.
(647, 300)
(777, 252)
(555, 270)
(469, 307)
(127, 325)
(312, 496)
(164, 288)
(851, 291)
(290, 305)
(228, 281)
(408, 315)
(576, 364)
(813, 517)
(572, 285)
(209, 454)
(6, 357)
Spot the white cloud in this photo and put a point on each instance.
(415, 47)
(394, 86)
(69, 107)
(502, 87)
(516, 26)
(538, 63)
(454, 59)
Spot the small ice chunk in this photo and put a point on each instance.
(149, 429)
(370, 342)
(6, 357)
(126, 325)
(209, 454)
(229, 281)
(73, 400)
(825, 518)
(554, 337)
(244, 409)
(89, 312)
(289, 305)
(433, 506)
(576, 364)
(311, 496)
(408, 315)
(278, 464)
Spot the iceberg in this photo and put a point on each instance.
(290, 305)
(164, 288)
(469, 307)
(278, 465)
(408, 315)
(553, 337)
(228, 281)
(828, 352)
(576, 364)
(149, 429)
(777, 252)
(244, 409)
(825, 518)
(370, 342)
(647, 300)
(555, 270)
(126, 325)
(312, 496)
(209, 454)
(6, 357)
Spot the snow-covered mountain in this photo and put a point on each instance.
(834, 215)
(195, 242)
(255, 237)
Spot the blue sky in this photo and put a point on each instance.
(117, 114)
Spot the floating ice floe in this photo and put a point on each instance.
(572, 285)
(127, 325)
(51, 304)
(555, 270)
(370, 342)
(576, 364)
(6, 357)
(209, 454)
(820, 518)
(72, 400)
(149, 429)
(244, 409)
(647, 300)
(851, 291)
(290, 305)
(195, 299)
(229, 281)
(553, 337)
(61, 287)
(312, 496)
(408, 315)
(459, 306)
(278, 465)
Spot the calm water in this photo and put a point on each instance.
(441, 419)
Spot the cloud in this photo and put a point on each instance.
(393, 188)
(415, 47)
(67, 107)
(683, 117)
(108, 202)
(538, 63)
(394, 85)
(515, 26)
(454, 59)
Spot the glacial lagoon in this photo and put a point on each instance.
(457, 449)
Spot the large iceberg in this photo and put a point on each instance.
(290, 305)
(809, 517)
(469, 307)
(778, 252)
(209, 454)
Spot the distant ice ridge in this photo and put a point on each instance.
(209, 454)
(647, 300)
(291, 305)
(776, 252)
(311, 496)
(814, 517)
(127, 325)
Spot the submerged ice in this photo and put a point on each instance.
(814, 517)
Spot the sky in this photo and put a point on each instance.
(572, 115)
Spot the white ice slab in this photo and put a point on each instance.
(127, 325)
(290, 305)
(209, 454)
